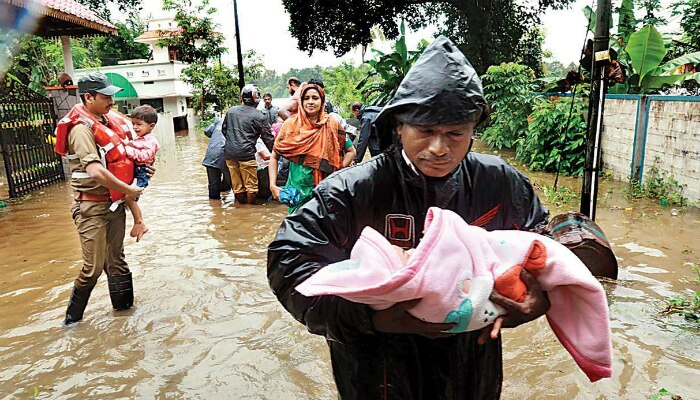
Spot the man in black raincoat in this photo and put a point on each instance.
(368, 136)
(389, 354)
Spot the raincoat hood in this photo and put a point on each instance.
(442, 87)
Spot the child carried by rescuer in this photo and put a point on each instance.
(142, 151)
(454, 270)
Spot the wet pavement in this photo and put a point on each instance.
(206, 325)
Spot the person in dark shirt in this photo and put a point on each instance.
(242, 127)
(355, 119)
(269, 111)
(218, 176)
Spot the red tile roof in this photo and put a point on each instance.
(76, 9)
(67, 13)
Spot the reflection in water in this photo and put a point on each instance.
(205, 324)
(636, 248)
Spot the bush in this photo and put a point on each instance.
(205, 122)
(508, 89)
(548, 138)
(659, 185)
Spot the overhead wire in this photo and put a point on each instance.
(573, 97)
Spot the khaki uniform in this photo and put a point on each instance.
(101, 231)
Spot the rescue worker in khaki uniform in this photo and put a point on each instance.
(101, 229)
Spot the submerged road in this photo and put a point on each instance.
(206, 325)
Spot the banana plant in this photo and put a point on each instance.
(646, 49)
(642, 51)
(387, 70)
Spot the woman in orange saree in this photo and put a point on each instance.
(313, 142)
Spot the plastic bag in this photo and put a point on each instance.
(290, 196)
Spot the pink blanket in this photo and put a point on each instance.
(454, 270)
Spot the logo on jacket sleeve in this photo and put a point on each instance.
(399, 229)
(486, 218)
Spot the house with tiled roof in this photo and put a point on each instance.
(56, 18)
(26, 149)
(155, 81)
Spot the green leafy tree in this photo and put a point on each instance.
(112, 49)
(487, 31)
(627, 23)
(304, 74)
(472, 27)
(201, 46)
(529, 50)
(558, 70)
(197, 40)
(253, 66)
(104, 8)
(689, 10)
(508, 89)
(554, 68)
(38, 62)
(652, 7)
(341, 86)
(269, 82)
(218, 87)
(649, 57)
(340, 82)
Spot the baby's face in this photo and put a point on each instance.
(142, 127)
(404, 255)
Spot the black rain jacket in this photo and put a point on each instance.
(387, 194)
(368, 135)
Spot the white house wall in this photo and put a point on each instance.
(160, 54)
(182, 89)
(170, 106)
(164, 81)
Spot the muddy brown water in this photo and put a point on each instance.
(206, 325)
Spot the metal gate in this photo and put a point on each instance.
(27, 124)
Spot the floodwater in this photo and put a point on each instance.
(206, 325)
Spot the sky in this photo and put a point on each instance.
(264, 28)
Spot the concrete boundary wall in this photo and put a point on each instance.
(617, 143)
(643, 131)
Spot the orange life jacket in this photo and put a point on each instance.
(109, 138)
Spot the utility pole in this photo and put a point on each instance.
(241, 78)
(600, 58)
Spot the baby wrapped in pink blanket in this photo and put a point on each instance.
(454, 270)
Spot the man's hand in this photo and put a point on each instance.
(134, 192)
(105, 178)
(535, 305)
(150, 171)
(396, 319)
